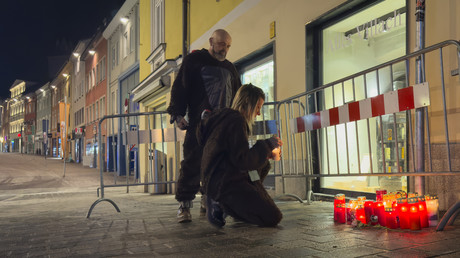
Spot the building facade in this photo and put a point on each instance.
(60, 111)
(95, 99)
(4, 125)
(43, 110)
(78, 101)
(16, 115)
(122, 35)
(30, 103)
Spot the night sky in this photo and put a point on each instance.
(33, 30)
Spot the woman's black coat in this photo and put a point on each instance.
(227, 158)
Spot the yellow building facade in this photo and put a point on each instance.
(161, 44)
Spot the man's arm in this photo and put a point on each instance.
(178, 102)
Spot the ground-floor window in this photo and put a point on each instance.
(350, 44)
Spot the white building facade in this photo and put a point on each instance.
(122, 35)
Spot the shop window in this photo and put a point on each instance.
(354, 40)
(258, 69)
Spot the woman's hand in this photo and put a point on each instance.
(274, 142)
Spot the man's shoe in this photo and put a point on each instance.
(183, 214)
(203, 205)
(214, 213)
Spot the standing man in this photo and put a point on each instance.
(206, 81)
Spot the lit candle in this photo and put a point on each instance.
(432, 206)
(360, 215)
(387, 200)
(351, 211)
(368, 210)
(390, 218)
(379, 211)
(396, 208)
(422, 211)
(338, 199)
(403, 213)
(379, 195)
(414, 214)
(276, 154)
(412, 195)
(341, 215)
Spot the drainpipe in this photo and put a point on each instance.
(419, 181)
(184, 28)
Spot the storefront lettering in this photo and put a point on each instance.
(366, 31)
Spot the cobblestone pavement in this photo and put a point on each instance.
(50, 221)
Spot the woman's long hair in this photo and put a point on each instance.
(246, 100)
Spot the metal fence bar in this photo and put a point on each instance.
(444, 107)
(346, 132)
(356, 131)
(368, 129)
(302, 138)
(113, 153)
(395, 126)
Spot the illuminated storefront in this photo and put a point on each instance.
(348, 43)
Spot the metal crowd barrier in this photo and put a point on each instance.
(149, 131)
(133, 131)
(323, 134)
(350, 126)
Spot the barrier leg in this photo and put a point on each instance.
(98, 201)
(451, 211)
(290, 195)
(453, 217)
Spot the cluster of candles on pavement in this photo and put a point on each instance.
(392, 210)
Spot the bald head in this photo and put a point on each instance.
(219, 44)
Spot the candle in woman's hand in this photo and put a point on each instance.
(276, 154)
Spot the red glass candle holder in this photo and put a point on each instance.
(379, 211)
(403, 213)
(360, 214)
(422, 211)
(390, 218)
(341, 213)
(338, 199)
(379, 195)
(368, 210)
(414, 214)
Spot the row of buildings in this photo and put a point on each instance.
(285, 47)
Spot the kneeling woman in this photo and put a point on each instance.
(232, 173)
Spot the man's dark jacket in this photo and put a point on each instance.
(203, 82)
